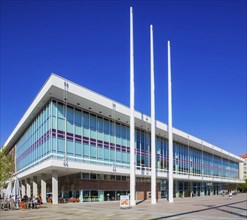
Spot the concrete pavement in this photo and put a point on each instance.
(205, 208)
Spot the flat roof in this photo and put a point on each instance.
(84, 98)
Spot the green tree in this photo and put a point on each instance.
(7, 167)
(243, 187)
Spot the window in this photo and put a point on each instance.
(100, 153)
(100, 176)
(70, 119)
(78, 122)
(85, 150)
(86, 124)
(106, 130)
(78, 149)
(107, 177)
(93, 176)
(112, 177)
(85, 176)
(93, 126)
(100, 123)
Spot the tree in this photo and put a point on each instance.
(243, 187)
(7, 167)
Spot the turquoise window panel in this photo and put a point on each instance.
(47, 143)
(86, 131)
(70, 147)
(61, 124)
(54, 109)
(118, 133)
(124, 142)
(124, 157)
(78, 117)
(100, 135)
(93, 126)
(54, 122)
(70, 127)
(128, 138)
(119, 156)
(93, 133)
(106, 130)
(60, 145)
(54, 145)
(78, 149)
(60, 111)
(106, 125)
(112, 132)
(100, 153)
(128, 158)
(106, 137)
(85, 119)
(124, 136)
(100, 124)
(78, 129)
(44, 116)
(70, 114)
(106, 154)
(112, 155)
(93, 152)
(86, 150)
(39, 151)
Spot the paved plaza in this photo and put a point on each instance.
(211, 208)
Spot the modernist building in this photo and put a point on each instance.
(73, 142)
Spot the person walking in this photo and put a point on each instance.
(230, 195)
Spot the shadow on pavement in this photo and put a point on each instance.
(140, 202)
(206, 209)
(238, 207)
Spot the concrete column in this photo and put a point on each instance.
(28, 187)
(191, 189)
(23, 188)
(202, 189)
(54, 187)
(176, 188)
(81, 195)
(183, 191)
(211, 190)
(35, 187)
(43, 188)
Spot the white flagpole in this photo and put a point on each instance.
(170, 136)
(132, 118)
(153, 147)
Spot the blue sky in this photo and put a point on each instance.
(88, 42)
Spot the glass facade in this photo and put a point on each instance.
(79, 135)
(35, 143)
